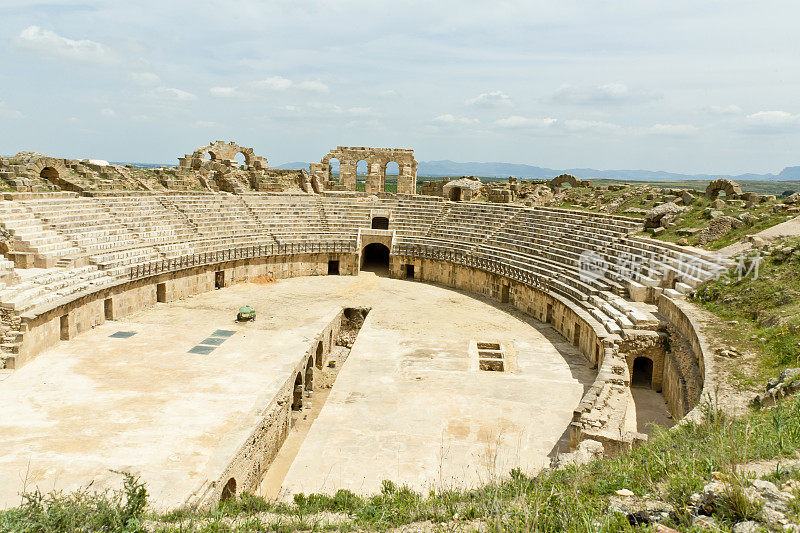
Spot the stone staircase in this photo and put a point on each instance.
(50, 247)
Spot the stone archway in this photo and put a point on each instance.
(297, 393)
(375, 258)
(377, 159)
(731, 189)
(225, 154)
(53, 170)
(309, 384)
(557, 182)
(229, 490)
(319, 355)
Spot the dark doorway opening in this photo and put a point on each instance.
(108, 308)
(409, 271)
(576, 335)
(455, 194)
(504, 294)
(161, 293)
(642, 375)
(318, 356)
(297, 395)
(65, 328)
(380, 223)
(333, 267)
(229, 490)
(375, 258)
(219, 279)
(50, 174)
(549, 315)
(310, 374)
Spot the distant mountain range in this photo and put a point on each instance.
(503, 170)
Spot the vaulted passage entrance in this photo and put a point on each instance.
(642, 375)
(375, 258)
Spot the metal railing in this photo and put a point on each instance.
(486, 264)
(153, 268)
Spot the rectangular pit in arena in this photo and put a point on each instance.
(409, 403)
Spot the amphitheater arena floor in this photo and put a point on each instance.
(408, 405)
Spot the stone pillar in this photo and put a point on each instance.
(406, 181)
(347, 175)
(374, 179)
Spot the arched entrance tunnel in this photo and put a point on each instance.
(642, 375)
(375, 258)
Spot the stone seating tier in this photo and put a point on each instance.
(117, 232)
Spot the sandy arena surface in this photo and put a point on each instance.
(409, 404)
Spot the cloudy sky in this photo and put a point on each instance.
(680, 85)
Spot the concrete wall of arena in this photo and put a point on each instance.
(573, 323)
(689, 366)
(44, 329)
(681, 387)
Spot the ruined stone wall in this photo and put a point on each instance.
(689, 367)
(377, 159)
(256, 449)
(220, 151)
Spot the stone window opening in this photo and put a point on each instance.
(380, 223)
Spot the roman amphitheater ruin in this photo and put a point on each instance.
(397, 336)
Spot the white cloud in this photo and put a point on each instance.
(108, 113)
(279, 83)
(321, 109)
(313, 86)
(607, 94)
(7, 112)
(173, 93)
(672, 130)
(274, 83)
(388, 92)
(204, 124)
(491, 99)
(223, 92)
(724, 110)
(452, 120)
(49, 44)
(590, 125)
(145, 78)
(771, 122)
(518, 122)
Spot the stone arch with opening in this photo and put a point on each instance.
(375, 257)
(53, 170)
(319, 355)
(297, 392)
(557, 182)
(229, 490)
(377, 159)
(309, 381)
(731, 189)
(223, 152)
